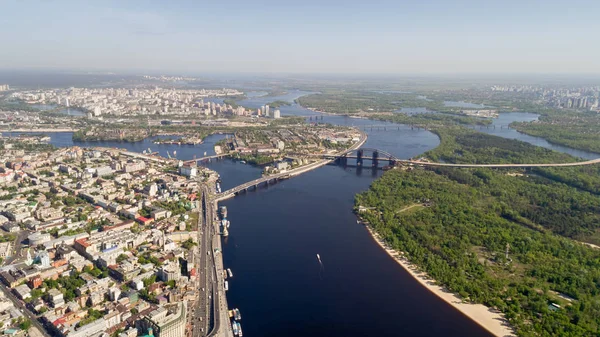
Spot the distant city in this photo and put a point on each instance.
(577, 98)
(133, 102)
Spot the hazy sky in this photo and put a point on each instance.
(425, 36)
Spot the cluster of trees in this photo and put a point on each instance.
(176, 207)
(30, 147)
(430, 120)
(92, 315)
(278, 104)
(188, 244)
(475, 214)
(256, 158)
(148, 258)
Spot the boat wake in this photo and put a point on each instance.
(322, 267)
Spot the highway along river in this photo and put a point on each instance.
(276, 232)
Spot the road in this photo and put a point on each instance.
(207, 158)
(221, 319)
(579, 163)
(21, 236)
(211, 301)
(200, 316)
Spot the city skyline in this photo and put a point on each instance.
(308, 37)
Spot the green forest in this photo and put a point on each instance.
(354, 101)
(468, 219)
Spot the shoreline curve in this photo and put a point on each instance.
(492, 321)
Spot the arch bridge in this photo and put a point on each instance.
(362, 154)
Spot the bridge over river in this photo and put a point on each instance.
(375, 155)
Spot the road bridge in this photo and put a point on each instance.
(288, 174)
(197, 160)
(377, 154)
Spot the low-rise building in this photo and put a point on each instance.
(5, 249)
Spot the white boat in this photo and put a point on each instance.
(239, 326)
(226, 285)
(235, 328)
(229, 272)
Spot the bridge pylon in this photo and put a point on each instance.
(359, 157)
(375, 161)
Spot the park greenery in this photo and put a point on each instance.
(279, 103)
(358, 101)
(17, 106)
(501, 237)
(255, 158)
(429, 120)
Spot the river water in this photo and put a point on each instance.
(276, 232)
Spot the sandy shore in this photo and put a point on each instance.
(489, 319)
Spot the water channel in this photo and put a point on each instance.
(276, 232)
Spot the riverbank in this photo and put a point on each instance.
(492, 321)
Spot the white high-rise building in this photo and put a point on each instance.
(277, 114)
(267, 110)
(67, 104)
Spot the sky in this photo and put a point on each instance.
(312, 36)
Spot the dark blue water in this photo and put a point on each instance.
(278, 283)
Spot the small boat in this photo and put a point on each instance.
(235, 328)
(237, 315)
(226, 285)
(239, 326)
(243, 162)
(229, 272)
(319, 257)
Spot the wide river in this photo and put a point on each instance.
(276, 232)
